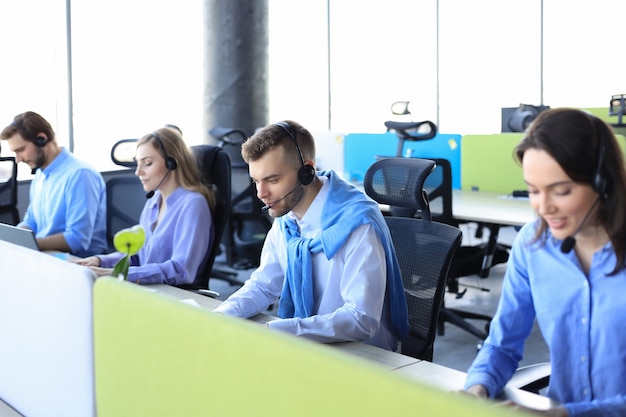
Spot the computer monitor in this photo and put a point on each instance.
(617, 107)
(517, 119)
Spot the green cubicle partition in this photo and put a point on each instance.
(156, 356)
(603, 114)
(488, 164)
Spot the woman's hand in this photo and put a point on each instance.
(90, 261)
(101, 272)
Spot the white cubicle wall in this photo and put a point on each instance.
(46, 352)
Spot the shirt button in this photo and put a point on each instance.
(583, 358)
(586, 392)
(583, 320)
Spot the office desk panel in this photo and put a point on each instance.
(46, 354)
(157, 356)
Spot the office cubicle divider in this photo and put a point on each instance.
(362, 149)
(488, 164)
(158, 356)
(46, 353)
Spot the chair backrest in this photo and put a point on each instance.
(248, 225)
(424, 249)
(438, 186)
(8, 191)
(214, 165)
(125, 200)
(399, 182)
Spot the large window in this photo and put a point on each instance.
(334, 65)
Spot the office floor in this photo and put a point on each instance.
(456, 348)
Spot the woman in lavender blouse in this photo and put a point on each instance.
(176, 218)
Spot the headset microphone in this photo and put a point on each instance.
(569, 242)
(150, 193)
(269, 206)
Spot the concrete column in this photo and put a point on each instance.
(236, 64)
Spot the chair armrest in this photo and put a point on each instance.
(531, 378)
(208, 293)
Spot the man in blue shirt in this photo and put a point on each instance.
(67, 209)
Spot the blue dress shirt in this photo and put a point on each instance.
(582, 319)
(69, 197)
(176, 248)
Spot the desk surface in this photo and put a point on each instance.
(7, 411)
(422, 371)
(488, 207)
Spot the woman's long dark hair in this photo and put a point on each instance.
(587, 150)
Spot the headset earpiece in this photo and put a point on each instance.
(598, 181)
(306, 173)
(170, 163)
(40, 141)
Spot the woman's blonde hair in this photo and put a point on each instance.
(172, 146)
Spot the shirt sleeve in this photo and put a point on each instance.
(611, 407)
(265, 283)
(28, 219)
(109, 260)
(503, 349)
(83, 193)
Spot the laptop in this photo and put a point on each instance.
(18, 236)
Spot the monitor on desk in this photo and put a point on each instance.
(617, 107)
(517, 119)
(18, 236)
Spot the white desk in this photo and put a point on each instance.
(453, 380)
(7, 411)
(493, 208)
(423, 371)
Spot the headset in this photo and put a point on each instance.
(598, 181)
(170, 163)
(40, 140)
(306, 174)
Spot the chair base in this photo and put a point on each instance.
(228, 276)
(458, 318)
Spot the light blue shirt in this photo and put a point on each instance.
(582, 319)
(349, 288)
(69, 197)
(176, 248)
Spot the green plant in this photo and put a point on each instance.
(127, 241)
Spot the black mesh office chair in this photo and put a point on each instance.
(214, 165)
(8, 191)
(248, 225)
(424, 248)
(468, 260)
(125, 200)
